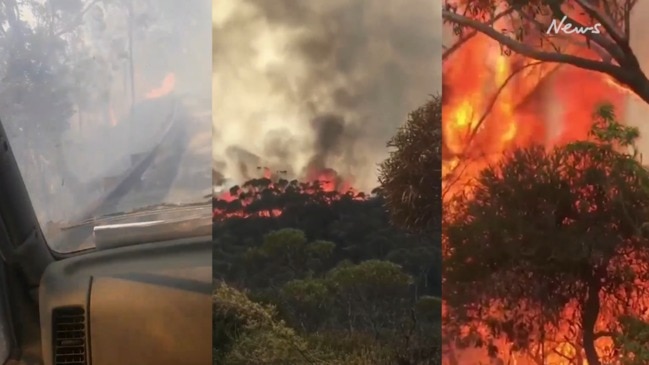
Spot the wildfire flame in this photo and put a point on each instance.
(168, 85)
(540, 104)
(326, 181)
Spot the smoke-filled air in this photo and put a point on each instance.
(305, 89)
(106, 106)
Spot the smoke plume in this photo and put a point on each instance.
(312, 85)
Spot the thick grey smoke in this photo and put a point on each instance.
(319, 84)
(89, 87)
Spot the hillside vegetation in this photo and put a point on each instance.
(325, 280)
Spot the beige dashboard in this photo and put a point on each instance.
(135, 305)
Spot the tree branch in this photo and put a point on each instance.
(525, 50)
(449, 51)
(606, 22)
(621, 40)
(590, 43)
(611, 47)
(70, 26)
(454, 175)
(472, 34)
(626, 15)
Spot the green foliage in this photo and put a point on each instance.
(305, 302)
(547, 228)
(428, 308)
(371, 280)
(288, 250)
(336, 227)
(341, 313)
(633, 340)
(411, 176)
(251, 333)
(309, 291)
(320, 249)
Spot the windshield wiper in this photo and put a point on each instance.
(192, 210)
(119, 235)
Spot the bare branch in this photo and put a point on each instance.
(602, 52)
(460, 42)
(72, 25)
(626, 15)
(614, 49)
(607, 8)
(472, 33)
(501, 88)
(455, 175)
(525, 50)
(606, 22)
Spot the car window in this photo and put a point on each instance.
(90, 90)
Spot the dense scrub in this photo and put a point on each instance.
(306, 276)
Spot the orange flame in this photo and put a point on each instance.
(482, 119)
(168, 85)
(323, 181)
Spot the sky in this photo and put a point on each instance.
(318, 83)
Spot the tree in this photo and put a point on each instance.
(36, 91)
(523, 27)
(322, 249)
(410, 177)
(248, 333)
(289, 253)
(369, 293)
(307, 300)
(420, 261)
(632, 340)
(545, 233)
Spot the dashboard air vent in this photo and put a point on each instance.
(69, 335)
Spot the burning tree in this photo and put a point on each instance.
(521, 94)
(533, 86)
(525, 28)
(547, 249)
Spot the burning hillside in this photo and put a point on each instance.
(269, 195)
(508, 102)
(266, 176)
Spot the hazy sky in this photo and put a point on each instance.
(328, 81)
(637, 110)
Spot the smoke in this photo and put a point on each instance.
(315, 85)
(637, 110)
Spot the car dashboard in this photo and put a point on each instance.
(134, 305)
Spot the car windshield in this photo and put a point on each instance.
(107, 106)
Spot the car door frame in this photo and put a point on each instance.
(24, 254)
